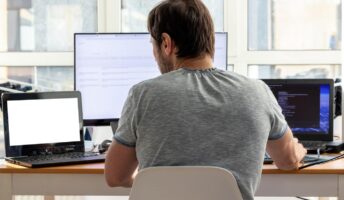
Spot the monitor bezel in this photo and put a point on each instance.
(330, 82)
(106, 122)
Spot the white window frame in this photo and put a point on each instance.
(241, 57)
(235, 23)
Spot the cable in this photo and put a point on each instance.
(318, 153)
(93, 149)
(301, 198)
(322, 161)
(336, 137)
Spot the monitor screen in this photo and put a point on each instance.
(306, 105)
(107, 65)
(46, 121)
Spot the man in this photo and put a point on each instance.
(194, 114)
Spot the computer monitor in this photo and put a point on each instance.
(107, 65)
(307, 105)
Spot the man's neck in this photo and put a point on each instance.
(204, 62)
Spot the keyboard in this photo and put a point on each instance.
(306, 159)
(57, 159)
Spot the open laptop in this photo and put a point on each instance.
(44, 129)
(307, 105)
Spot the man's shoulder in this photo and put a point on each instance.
(245, 81)
(156, 81)
(174, 78)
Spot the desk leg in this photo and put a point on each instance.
(5, 186)
(341, 187)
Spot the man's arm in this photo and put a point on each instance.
(120, 165)
(286, 152)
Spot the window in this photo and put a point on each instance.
(230, 68)
(294, 71)
(37, 78)
(44, 25)
(55, 78)
(294, 25)
(135, 12)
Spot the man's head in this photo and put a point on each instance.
(180, 29)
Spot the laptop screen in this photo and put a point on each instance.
(42, 122)
(307, 106)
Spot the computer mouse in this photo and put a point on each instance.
(103, 147)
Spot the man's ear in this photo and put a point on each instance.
(167, 45)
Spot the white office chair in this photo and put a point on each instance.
(185, 183)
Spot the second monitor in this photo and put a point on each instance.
(107, 65)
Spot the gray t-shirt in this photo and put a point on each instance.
(202, 117)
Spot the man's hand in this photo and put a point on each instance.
(286, 152)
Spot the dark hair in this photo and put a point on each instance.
(189, 24)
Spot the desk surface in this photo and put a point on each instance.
(333, 167)
(66, 180)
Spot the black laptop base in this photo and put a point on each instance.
(57, 159)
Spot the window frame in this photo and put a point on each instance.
(235, 23)
(66, 58)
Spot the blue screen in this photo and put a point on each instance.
(306, 107)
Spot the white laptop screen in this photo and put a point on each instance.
(42, 121)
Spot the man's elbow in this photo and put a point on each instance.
(118, 182)
(113, 183)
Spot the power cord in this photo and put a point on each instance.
(336, 137)
(92, 150)
(322, 161)
(301, 198)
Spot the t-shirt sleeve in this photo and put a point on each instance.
(279, 125)
(126, 130)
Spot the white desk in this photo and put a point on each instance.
(321, 180)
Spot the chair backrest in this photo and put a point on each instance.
(185, 183)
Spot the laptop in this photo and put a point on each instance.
(45, 129)
(307, 105)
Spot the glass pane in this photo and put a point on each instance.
(135, 12)
(294, 71)
(294, 25)
(230, 68)
(55, 78)
(44, 25)
(41, 78)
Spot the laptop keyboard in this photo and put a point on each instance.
(59, 157)
(306, 159)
